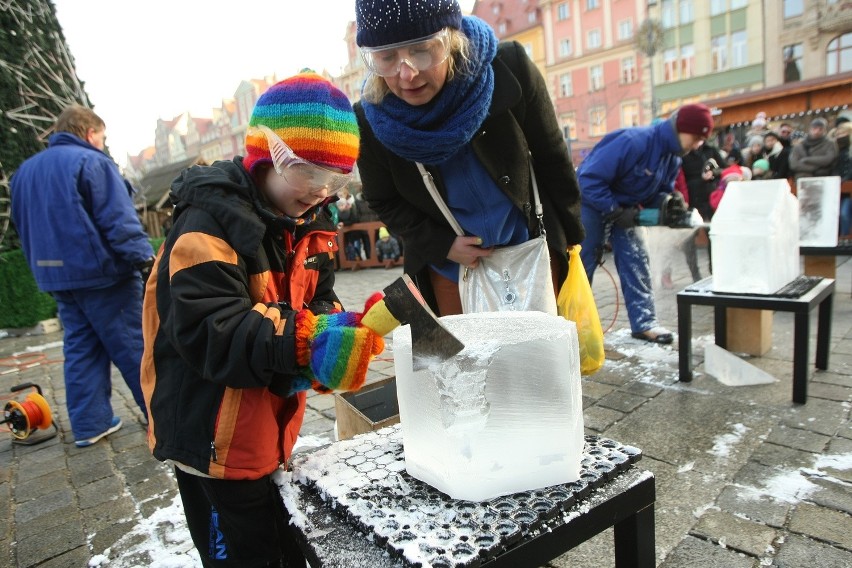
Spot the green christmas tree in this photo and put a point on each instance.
(37, 80)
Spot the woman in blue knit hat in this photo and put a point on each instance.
(444, 93)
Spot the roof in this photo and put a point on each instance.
(154, 186)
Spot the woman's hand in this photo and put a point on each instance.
(467, 251)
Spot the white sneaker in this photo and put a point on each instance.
(115, 426)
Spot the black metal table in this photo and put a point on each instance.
(524, 529)
(700, 293)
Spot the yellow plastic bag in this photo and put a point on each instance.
(577, 303)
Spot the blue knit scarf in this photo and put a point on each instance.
(433, 132)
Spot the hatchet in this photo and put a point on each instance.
(403, 304)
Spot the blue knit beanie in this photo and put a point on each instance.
(384, 22)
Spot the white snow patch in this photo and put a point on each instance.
(724, 443)
(166, 539)
(305, 442)
(37, 348)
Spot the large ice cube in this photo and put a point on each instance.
(755, 238)
(819, 211)
(504, 415)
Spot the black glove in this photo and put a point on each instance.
(677, 205)
(145, 267)
(711, 166)
(624, 217)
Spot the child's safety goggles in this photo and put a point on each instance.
(297, 172)
(420, 54)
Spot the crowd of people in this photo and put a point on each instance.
(770, 153)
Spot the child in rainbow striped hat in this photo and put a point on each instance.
(241, 318)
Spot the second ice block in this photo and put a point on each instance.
(504, 415)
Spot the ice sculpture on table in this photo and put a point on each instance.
(755, 238)
(504, 415)
(819, 211)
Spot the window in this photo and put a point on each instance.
(566, 85)
(495, 9)
(739, 49)
(597, 121)
(737, 4)
(838, 55)
(687, 61)
(593, 39)
(565, 47)
(670, 65)
(501, 29)
(592, 4)
(685, 12)
(625, 29)
(628, 70)
(719, 53)
(596, 78)
(717, 7)
(569, 126)
(668, 17)
(531, 17)
(562, 12)
(793, 8)
(793, 62)
(629, 114)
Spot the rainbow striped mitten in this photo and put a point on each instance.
(334, 350)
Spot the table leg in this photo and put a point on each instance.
(823, 332)
(634, 540)
(684, 340)
(720, 326)
(800, 357)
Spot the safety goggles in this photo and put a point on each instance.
(297, 172)
(420, 54)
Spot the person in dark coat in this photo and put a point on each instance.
(86, 246)
(442, 92)
(701, 170)
(778, 156)
(630, 169)
(816, 155)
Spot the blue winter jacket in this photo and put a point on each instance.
(76, 221)
(630, 167)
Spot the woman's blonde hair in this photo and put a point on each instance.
(375, 87)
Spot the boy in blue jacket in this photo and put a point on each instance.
(631, 169)
(86, 246)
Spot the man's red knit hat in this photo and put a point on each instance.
(694, 119)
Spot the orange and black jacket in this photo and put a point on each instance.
(218, 324)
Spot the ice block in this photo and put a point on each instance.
(755, 238)
(819, 211)
(504, 415)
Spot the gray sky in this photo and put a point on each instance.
(157, 59)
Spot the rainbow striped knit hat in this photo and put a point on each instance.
(311, 116)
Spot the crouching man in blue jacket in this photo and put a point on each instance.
(85, 246)
(627, 170)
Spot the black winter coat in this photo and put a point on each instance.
(520, 120)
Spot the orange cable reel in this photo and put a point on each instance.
(23, 418)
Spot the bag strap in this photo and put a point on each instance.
(439, 201)
(429, 182)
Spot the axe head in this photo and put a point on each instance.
(430, 340)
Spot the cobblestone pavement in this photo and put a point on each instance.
(744, 477)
